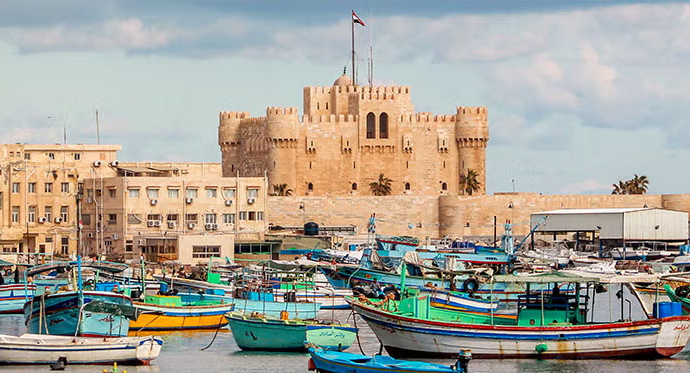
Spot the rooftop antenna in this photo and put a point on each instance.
(98, 129)
(64, 132)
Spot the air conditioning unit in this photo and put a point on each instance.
(89, 200)
(208, 226)
(58, 220)
(154, 202)
(156, 223)
(115, 236)
(215, 226)
(89, 235)
(97, 163)
(172, 224)
(228, 202)
(42, 219)
(189, 200)
(191, 225)
(115, 163)
(251, 200)
(150, 223)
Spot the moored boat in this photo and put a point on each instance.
(169, 313)
(13, 297)
(260, 302)
(48, 349)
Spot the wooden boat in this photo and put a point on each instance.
(48, 349)
(161, 312)
(257, 332)
(681, 295)
(343, 362)
(249, 302)
(556, 328)
(13, 297)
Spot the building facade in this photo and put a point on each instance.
(39, 187)
(181, 212)
(348, 135)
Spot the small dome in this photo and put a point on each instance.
(343, 80)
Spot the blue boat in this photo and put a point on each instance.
(342, 362)
(13, 297)
(262, 303)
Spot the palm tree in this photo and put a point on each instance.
(636, 185)
(620, 188)
(382, 186)
(281, 190)
(469, 183)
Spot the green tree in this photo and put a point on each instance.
(382, 186)
(469, 183)
(281, 190)
(636, 185)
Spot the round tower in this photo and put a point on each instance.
(229, 139)
(282, 132)
(471, 136)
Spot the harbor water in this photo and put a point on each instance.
(182, 353)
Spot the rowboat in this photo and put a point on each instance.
(547, 326)
(48, 349)
(681, 295)
(257, 332)
(343, 362)
(161, 312)
(13, 297)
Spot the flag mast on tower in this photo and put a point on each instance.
(355, 19)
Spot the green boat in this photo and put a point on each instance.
(257, 332)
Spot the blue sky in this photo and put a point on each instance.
(581, 94)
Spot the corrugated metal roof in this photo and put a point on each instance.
(593, 211)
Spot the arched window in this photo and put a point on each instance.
(407, 186)
(354, 186)
(371, 126)
(444, 186)
(310, 187)
(383, 126)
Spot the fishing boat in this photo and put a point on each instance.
(255, 301)
(551, 326)
(680, 295)
(13, 297)
(48, 349)
(168, 312)
(258, 332)
(343, 362)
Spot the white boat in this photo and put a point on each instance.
(48, 349)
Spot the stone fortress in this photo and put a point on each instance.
(348, 135)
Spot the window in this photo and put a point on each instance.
(191, 218)
(252, 193)
(0, 200)
(48, 188)
(133, 193)
(371, 126)
(243, 215)
(64, 214)
(383, 126)
(252, 215)
(31, 187)
(112, 219)
(259, 215)
(444, 186)
(89, 193)
(205, 251)
(85, 218)
(15, 188)
(310, 187)
(407, 186)
(172, 217)
(64, 187)
(27, 156)
(210, 219)
(229, 193)
(77, 156)
(192, 192)
(173, 193)
(152, 193)
(15, 214)
(48, 213)
(354, 186)
(229, 218)
(32, 214)
(65, 245)
(112, 193)
(211, 192)
(51, 155)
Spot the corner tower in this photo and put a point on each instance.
(230, 139)
(472, 136)
(282, 133)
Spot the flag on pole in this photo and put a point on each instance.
(356, 19)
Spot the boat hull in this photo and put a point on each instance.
(342, 362)
(47, 349)
(13, 297)
(409, 337)
(270, 309)
(157, 317)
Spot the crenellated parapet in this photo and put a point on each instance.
(333, 119)
(282, 124)
(426, 118)
(229, 134)
(471, 126)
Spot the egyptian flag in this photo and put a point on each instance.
(356, 19)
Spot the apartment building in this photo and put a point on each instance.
(39, 188)
(179, 212)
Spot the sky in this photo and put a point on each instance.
(580, 94)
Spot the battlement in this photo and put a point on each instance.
(277, 110)
(392, 90)
(316, 119)
(255, 121)
(472, 110)
(427, 118)
(225, 115)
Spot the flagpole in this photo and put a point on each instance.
(352, 23)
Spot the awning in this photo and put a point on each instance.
(556, 276)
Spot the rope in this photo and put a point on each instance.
(220, 323)
(354, 321)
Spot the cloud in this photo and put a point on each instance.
(589, 186)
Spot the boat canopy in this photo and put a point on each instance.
(129, 312)
(110, 267)
(556, 276)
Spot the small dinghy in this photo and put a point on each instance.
(63, 350)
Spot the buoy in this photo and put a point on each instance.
(311, 365)
(541, 348)
(284, 315)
